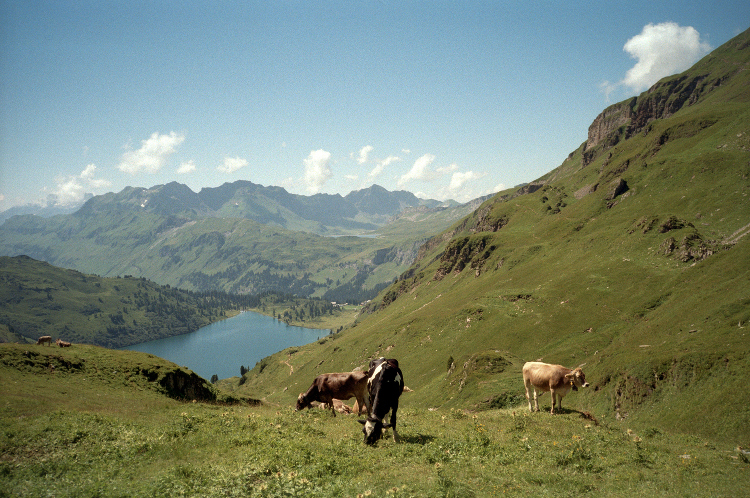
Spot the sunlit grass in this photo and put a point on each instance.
(195, 449)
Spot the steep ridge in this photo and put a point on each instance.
(632, 261)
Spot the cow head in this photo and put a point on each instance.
(373, 429)
(577, 379)
(302, 403)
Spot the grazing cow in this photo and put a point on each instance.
(62, 343)
(328, 386)
(43, 339)
(556, 379)
(385, 383)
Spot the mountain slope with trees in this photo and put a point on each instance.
(38, 299)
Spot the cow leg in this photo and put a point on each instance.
(363, 402)
(528, 396)
(554, 396)
(393, 423)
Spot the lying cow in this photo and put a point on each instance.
(556, 379)
(385, 383)
(338, 405)
(327, 387)
(43, 339)
(62, 343)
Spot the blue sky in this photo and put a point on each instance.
(444, 99)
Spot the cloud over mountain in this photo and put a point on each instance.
(317, 170)
(152, 155)
(420, 170)
(660, 50)
(232, 164)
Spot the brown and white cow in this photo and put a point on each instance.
(43, 339)
(385, 383)
(327, 387)
(556, 379)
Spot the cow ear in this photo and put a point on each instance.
(361, 421)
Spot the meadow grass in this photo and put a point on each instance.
(71, 433)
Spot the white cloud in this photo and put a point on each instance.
(420, 170)
(317, 170)
(363, 153)
(88, 171)
(67, 191)
(95, 183)
(71, 190)
(660, 50)
(444, 170)
(186, 167)
(458, 180)
(99, 183)
(380, 166)
(152, 155)
(232, 164)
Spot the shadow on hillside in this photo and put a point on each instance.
(416, 438)
(571, 411)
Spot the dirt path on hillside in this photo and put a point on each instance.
(291, 367)
(736, 236)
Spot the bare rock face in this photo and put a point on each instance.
(612, 118)
(632, 116)
(617, 188)
(586, 190)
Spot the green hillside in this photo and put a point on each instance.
(39, 299)
(632, 258)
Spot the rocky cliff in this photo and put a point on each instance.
(623, 120)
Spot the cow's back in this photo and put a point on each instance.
(543, 375)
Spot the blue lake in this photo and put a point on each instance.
(220, 348)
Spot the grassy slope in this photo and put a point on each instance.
(664, 341)
(101, 429)
(40, 299)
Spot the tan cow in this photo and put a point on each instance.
(340, 386)
(62, 344)
(338, 405)
(556, 379)
(43, 339)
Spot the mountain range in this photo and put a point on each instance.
(324, 214)
(240, 237)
